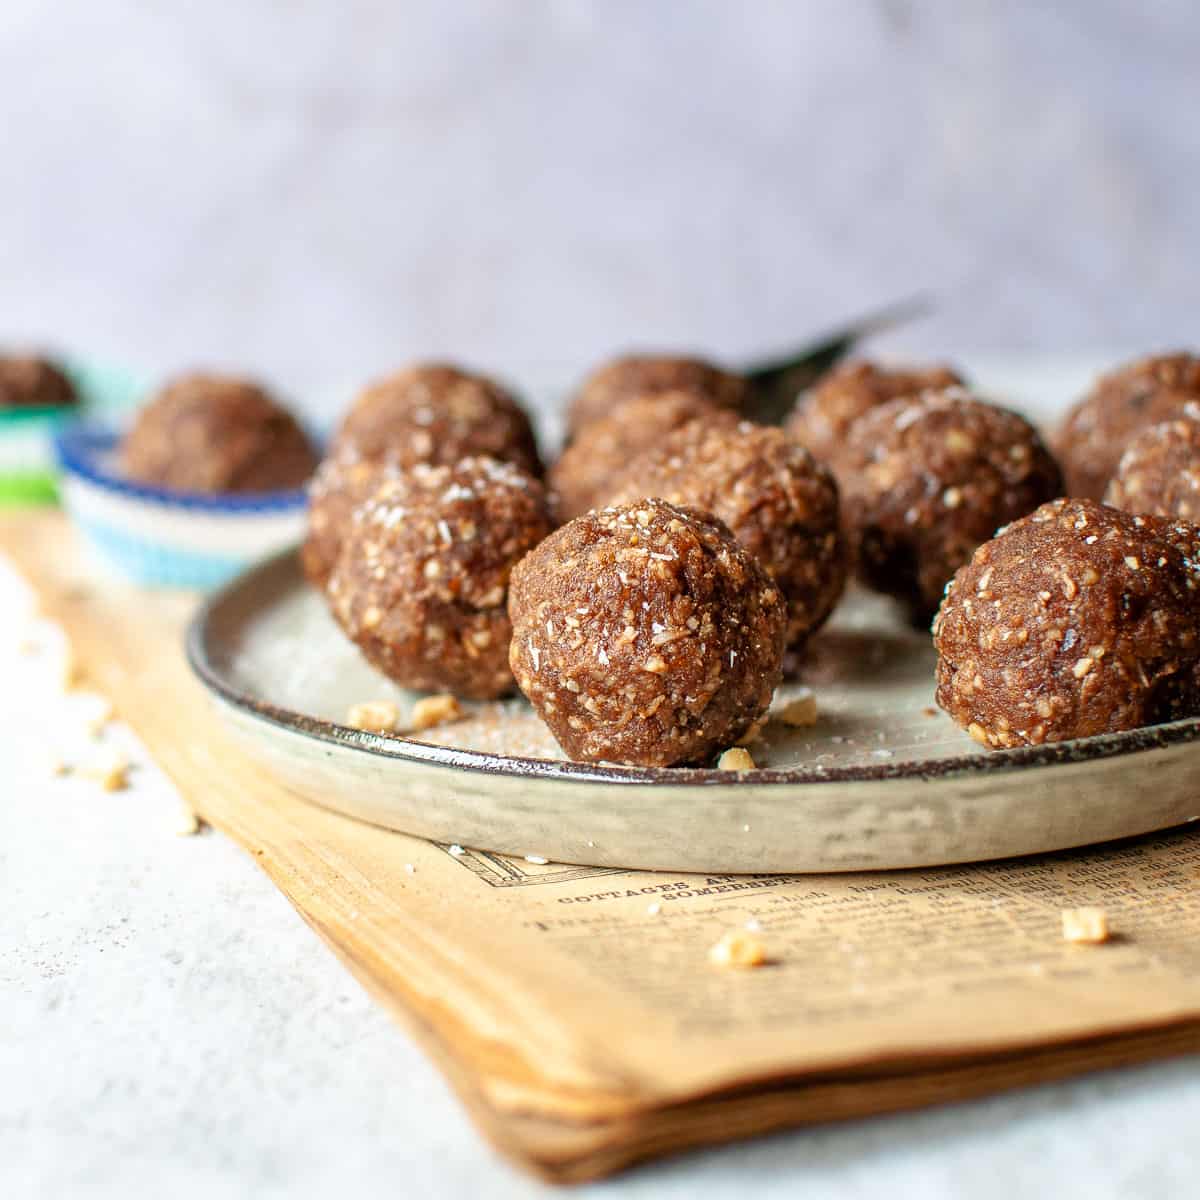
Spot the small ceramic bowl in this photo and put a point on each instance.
(159, 537)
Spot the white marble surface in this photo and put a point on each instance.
(170, 1027)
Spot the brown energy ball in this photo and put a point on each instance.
(1160, 472)
(1078, 619)
(1097, 431)
(27, 381)
(824, 414)
(602, 450)
(644, 634)
(926, 480)
(779, 502)
(338, 489)
(637, 375)
(217, 434)
(437, 414)
(421, 582)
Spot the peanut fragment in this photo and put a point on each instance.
(801, 712)
(736, 759)
(374, 716)
(1087, 925)
(738, 949)
(435, 710)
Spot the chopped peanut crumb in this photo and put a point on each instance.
(737, 759)
(189, 823)
(738, 949)
(1086, 925)
(374, 716)
(111, 772)
(800, 712)
(435, 710)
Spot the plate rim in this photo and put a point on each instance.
(996, 762)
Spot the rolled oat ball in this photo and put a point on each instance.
(421, 582)
(437, 414)
(644, 634)
(27, 381)
(584, 473)
(824, 414)
(338, 489)
(640, 375)
(1077, 620)
(1160, 472)
(926, 480)
(1097, 431)
(217, 434)
(778, 501)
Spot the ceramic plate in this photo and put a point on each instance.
(882, 780)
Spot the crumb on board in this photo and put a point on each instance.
(188, 823)
(738, 949)
(801, 712)
(1087, 925)
(410, 869)
(110, 771)
(736, 759)
(435, 710)
(457, 850)
(373, 716)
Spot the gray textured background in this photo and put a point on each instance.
(318, 191)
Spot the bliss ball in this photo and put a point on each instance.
(644, 634)
(27, 381)
(1076, 620)
(217, 434)
(421, 581)
(1160, 472)
(1097, 430)
(602, 449)
(437, 414)
(778, 501)
(639, 375)
(824, 414)
(338, 489)
(926, 480)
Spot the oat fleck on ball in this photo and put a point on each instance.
(639, 375)
(1076, 620)
(337, 490)
(27, 381)
(1097, 430)
(437, 414)
(1160, 472)
(644, 634)
(217, 434)
(421, 582)
(824, 414)
(779, 502)
(584, 474)
(926, 480)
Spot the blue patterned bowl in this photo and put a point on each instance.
(159, 537)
